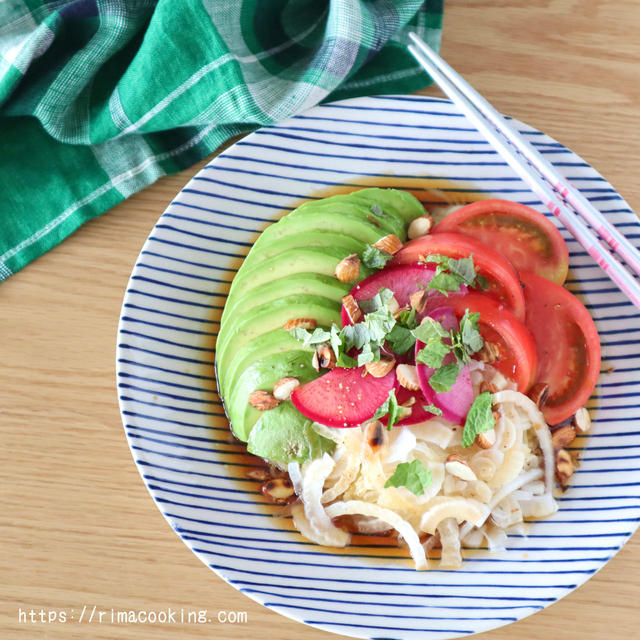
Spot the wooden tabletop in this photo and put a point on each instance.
(78, 527)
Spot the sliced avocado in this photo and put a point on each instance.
(263, 375)
(284, 435)
(236, 332)
(321, 238)
(311, 283)
(403, 203)
(346, 205)
(276, 341)
(303, 260)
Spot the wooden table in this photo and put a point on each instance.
(78, 526)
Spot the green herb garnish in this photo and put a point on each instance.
(451, 274)
(479, 419)
(411, 475)
(373, 258)
(444, 378)
(431, 408)
(389, 406)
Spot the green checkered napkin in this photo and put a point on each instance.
(99, 98)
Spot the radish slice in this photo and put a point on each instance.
(415, 400)
(404, 280)
(456, 402)
(342, 397)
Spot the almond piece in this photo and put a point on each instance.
(489, 353)
(376, 435)
(381, 368)
(564, 467)
(563, 436)
(348, 269)
(539, 393)
(278, 490)
(487, 439)
(581, 420)
(282, 388)
(418, 300)
(263, 400)
(390, 244)
(457, 466)
(487, 386)
(420, 227)
(301, 323)
(393, 306)
(408, 376)
(351, 307)
(324, 357)
(259, 474)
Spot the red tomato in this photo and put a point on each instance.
(517, 359)
(567, 343)
(521, 234)
(504, 285)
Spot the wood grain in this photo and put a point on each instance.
(78, 527)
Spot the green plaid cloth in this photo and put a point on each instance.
(99, 98)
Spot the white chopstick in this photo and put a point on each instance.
(508, 143)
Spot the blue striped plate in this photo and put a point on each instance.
(196, 473)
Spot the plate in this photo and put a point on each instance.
(197, 474)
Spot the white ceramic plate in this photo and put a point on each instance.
(196, 473)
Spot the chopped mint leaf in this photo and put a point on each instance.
(379, 301)
(433, 354)
(408, 319)
(366, 355)
(479, 419)
(336, 340)
(444, 378)
(431, 332)
(430, 329)
(345, 361)
(463, 268)
(400, 339)
(445, 282)
(307, 338)
(355, 335)
(469, 334)
(377, 211)
(374, 258)
(389, 406)
(411, 475)
(431, 408)
(482, 282)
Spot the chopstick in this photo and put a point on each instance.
(521, 156)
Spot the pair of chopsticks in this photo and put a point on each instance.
(561, 198)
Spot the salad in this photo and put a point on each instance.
(402, 377)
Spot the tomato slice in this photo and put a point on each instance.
(567, 343)
(527, 238)
(502, 277)
(517, 356)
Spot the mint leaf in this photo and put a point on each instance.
(411, 475)
(379, 301)
(307, 338)
(444, 378)
(445, 282)
(431, 408)
(389, 406)
(482, 282)
(469, 334)
(374, 258)
(408, 319)
(433, 354)
(354, 335)
(400, 339)
(464, 268)
(367, 355)
(479, 419)
(430, 329)
(377, 211)
(343, 360)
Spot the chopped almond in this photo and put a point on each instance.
(564, 467)
(300, 323)
(539, 393)
(263, 400)
(351, 307)
(418, 300)
(323, 358)
(420, 227)
(348, 269)
(457, 466)
(390, 244)
(408, 376)
(563, 436)
(282, 388)
(582, 420)
(489, 353)
(487, 439)
(381, 368)
(279, 490)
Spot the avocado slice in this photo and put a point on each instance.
(263, 375)
(311, 283)
(322, 260)
(402, 203)
(276, 341)
(269, 316)
(284, 435)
